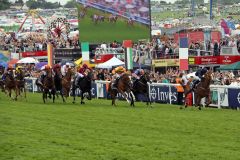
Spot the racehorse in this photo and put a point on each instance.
(130, 22)
(202, 90)
(48, 86)
(85, 85)
(1, 81)
(124, 86)
(58, 81)
(10, 84)
(112, 19)
(95, 18)
(20, 83)
(66, 84)
(141, 86)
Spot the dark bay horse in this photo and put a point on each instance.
(10, 84)
(48, 86)
(202, 90)
(85, 85)
(124, 86)
(141, 87)
(1, 80)
(58, 81)
(20, 83)
(66, 84)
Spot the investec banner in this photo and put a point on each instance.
(163, 94)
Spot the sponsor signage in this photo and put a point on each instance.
(191, 60)
(228, 59)
(67, 53)
(208, 60)
(205, 60)
(163, 94)
(34, 54)
(165, 62)
(234, 97)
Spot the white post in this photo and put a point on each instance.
(170, 94)
(219, 99)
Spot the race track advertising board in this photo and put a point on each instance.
(110, 20)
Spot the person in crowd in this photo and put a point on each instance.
(180, 89)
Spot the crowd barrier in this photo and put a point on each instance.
(221, 96)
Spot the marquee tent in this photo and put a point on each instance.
(113, 62)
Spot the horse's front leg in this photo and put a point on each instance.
(53, 93)
(132, 99)
(73, 94)
(125, 96)
(61, 93)
(82, 97)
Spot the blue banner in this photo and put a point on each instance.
(162, 94)
(29, 85)
(234, 98)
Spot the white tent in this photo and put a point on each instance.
(111, 63)
(28, 60)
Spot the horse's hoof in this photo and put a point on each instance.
(181, 107)
(73, 102)
(200, 108)
(82, 102)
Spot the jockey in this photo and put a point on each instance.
(117, 72)
(8, 72)
(138, 73)
(65, 68)
(199, 75)
(43, 73)
(81, 73)
(18, 70)
(56, 67)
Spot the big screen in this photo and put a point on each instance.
(113, 20)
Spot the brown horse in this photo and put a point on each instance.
(20, 83)
(202, 90)
(66, 83)
(10, 84)
(48, 86)
(124, 86)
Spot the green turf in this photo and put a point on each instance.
(94, 131)
(108, 32)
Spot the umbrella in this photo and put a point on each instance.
(4, 64)
(41, 64)
(28, 60)
(12, 62)
(109, 1)
(129, 6)
(143, 9)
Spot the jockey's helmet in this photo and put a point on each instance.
(85, 66)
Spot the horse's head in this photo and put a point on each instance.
(49, 73)
(208, 75)
(146, 77)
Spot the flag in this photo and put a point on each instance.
(85, 51)
(183, 53)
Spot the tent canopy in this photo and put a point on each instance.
(113, 62)
(233, 67)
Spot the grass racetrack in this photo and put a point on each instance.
(108, 32)
(94, 131)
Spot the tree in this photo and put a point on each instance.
(4, 4)
(70, 4)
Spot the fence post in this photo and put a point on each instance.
(170, 94)
(219, 99)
